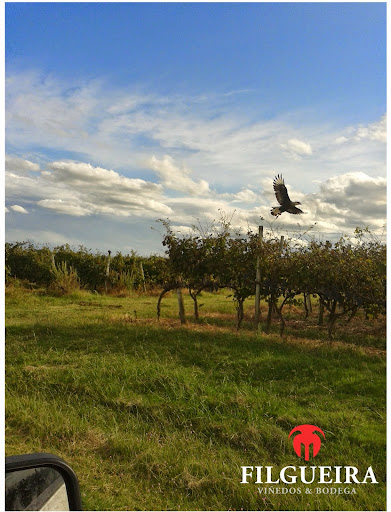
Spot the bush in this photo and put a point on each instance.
(65, 280)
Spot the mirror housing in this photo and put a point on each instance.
(38, 461)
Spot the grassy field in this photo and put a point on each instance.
(159, 416)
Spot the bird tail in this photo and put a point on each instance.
(275, 211)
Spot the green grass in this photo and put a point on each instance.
(155, 416)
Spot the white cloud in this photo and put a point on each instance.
(32, 188)
(245, 196)
(19, 165)
(18, 209)
(6, 210)
(123, 129)
(297, 148)
(187, 210)
(176, 178)
(361, 196)
(375, 132)
(59, 206)
(183, 230)
(83, 176)
(79, 189)
(339, 204)
(203, 150)
(341, 140)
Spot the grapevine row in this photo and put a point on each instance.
(343, 276)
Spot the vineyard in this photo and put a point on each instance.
(342, 278)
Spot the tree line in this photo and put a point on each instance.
(65, 269)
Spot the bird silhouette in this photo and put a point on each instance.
(286, 205)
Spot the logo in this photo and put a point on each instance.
(307, 437)
(296, 480)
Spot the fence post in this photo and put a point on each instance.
(107, 271)
(321, 312)
(258, 278)
(181, 305)
(142, 275)
(308, 302)
(274, 308)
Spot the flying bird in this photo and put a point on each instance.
(286, 205)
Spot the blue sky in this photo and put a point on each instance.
(120, 113)
(287, 55)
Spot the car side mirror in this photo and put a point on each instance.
(40, 481)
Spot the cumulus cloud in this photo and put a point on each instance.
(376, 132)
(353, 186)
(297, 148)
(362, 196)
(340, 204)
(83, 176)
(79, 189)
(245, 196)
(98, 190)
(18, 209)
(186, 210)
(183, 230)
(19, 165)
(177, 178)
(60, 206)
(32, 188)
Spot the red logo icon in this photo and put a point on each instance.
(306, 437)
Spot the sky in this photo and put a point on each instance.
(120, 114)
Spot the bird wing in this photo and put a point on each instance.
(280, 190)
(293, 209)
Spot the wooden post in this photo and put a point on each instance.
(321, 312)
(308, 300)
(142, 275)
(258, 278)
(275, 305)
(107, 271)
(181, 305)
